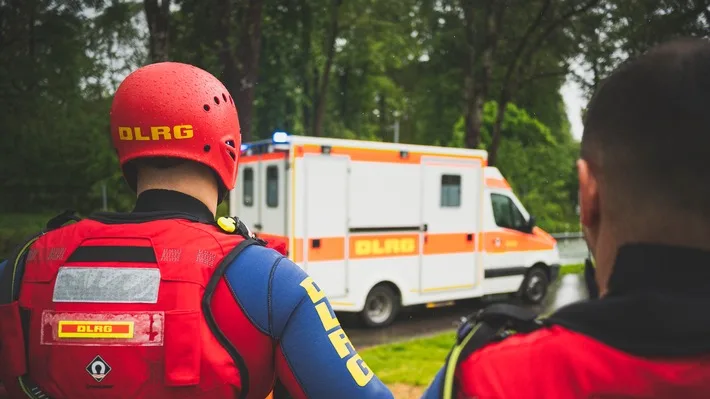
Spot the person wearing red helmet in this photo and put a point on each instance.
(164, 302)
(645, 208)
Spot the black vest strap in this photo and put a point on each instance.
(209, 316)
(491, 324)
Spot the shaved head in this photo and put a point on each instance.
(647, 130)
(644, 174)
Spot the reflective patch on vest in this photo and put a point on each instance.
(105, 329)
(107, 285)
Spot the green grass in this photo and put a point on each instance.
(576, 268)
(412, 362)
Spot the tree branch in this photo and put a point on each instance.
(522, 44)
(325, 74)
(543, 75)
(564, 18)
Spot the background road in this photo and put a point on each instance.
(424, 322)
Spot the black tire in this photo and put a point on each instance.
(535, 286)
(381, 307)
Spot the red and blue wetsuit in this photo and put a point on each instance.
(265, 323)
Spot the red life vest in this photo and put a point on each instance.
(120, 310)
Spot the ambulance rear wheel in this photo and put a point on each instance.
(535, 286)
(381, 307)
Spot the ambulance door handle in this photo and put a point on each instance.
(469, 237)
(257, 226)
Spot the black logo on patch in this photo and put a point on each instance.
(98, 368)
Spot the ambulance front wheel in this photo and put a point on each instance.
(535, 285)
(381, 306)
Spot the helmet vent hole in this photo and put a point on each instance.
(232, 155)
(206, 107)
(230, 100)
(207, 148)
(224, 97)
(216, 100)
(230, 143)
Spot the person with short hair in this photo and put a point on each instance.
(645, 208)
(164, 301)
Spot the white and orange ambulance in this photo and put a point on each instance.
(380, 225)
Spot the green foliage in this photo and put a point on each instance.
(537, 165)
(61, 61)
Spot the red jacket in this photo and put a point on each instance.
(559, 363)
(161, 303)
(648, 338)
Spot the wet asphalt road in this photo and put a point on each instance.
(420, 322)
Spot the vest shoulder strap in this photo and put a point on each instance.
(15, 268)
(491, 324)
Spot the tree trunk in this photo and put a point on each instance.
(248, 53)
(472, 98)
(325, 74)
(158, 17)
(306, 68)
(240, 65)
(525, 51)
(497, 126)
(478, 76)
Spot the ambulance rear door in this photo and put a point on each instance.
(326, 185)
(451, 192)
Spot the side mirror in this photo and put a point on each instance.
(531, 223)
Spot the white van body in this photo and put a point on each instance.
(383, 225)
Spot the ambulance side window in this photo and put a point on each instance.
(506, 213)
(450, 191)
(272, 186)
(248, 194)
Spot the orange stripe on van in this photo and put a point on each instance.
(497, 183)
(269, 156)
(392, 245)
(297, 250)
(377, 155)
(329, 248)
(512, 240)
(448, 243)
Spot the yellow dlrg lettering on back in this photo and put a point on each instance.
(155, 133)
(312, 289)
(357, 368)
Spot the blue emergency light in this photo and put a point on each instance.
(280, 137)
(244, 147)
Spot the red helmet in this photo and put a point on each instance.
(176, 110)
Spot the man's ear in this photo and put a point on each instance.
(588, 195)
